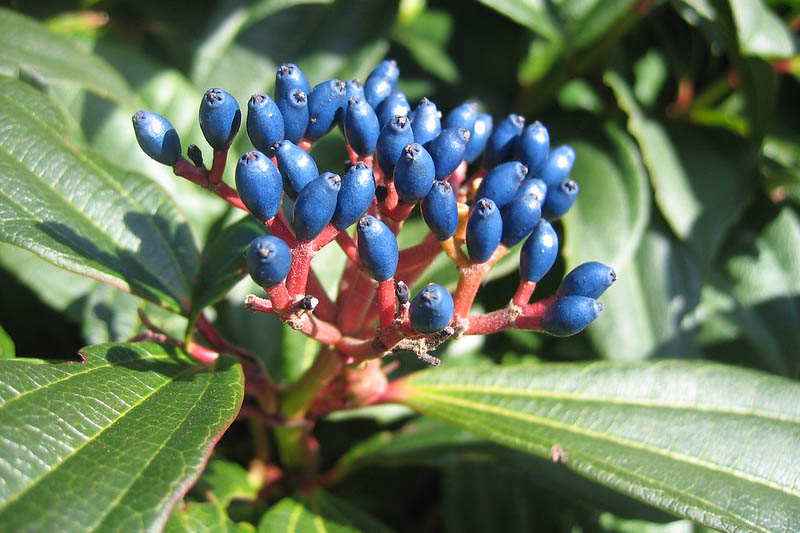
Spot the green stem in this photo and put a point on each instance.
(297, 399)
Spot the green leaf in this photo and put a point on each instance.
(761, 32)
(691, 438)
(110, 444)
(6, 345)
(204, 518)
(702, 179)
(227, 481)
(319, 512)
(426, 38)
(648, 311)
(534, 14)
(31, 49)
(222, 263)
(82, 213)
(613, 207)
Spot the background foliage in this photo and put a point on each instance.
(683, 115)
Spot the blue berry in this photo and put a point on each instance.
(264, 123)
(354, 89)
(462, 116)
(395, 104)
(539, 252)
(447, 150)
(569, 315)
(268, 260)
(522, 214)
(558, 165)
(297, 167)
(500, 145)
(589, 279)
(220, 118)
(560, 199)
(440, 210)
(381, 82)
(361, 128)
(532, 147)
(500, 184)
(325, 107)
(431, 309)
(288, 78)
(355, 195)
(484, 230)
(294, 110)
(156, 137)
(377, 248)
(413, 173)
(315, 205)
(426, 122)
(395, 136)
(479, 135)
(259, 185)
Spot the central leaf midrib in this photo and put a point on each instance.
(585, 432)
(83, 444)
(177, 267)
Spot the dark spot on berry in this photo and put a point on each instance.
(381, 192)
(569, 185)
(299, 96)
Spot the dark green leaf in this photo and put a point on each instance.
(110, 444)
(319, 512)
(761, 31)
(426, 38)
(222, 263)
(704, 441)
(30, 48)
(6, 345)
(535, 15)
(702, 179)
(204, 518)
(82, 213)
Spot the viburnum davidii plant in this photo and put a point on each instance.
(395, 367)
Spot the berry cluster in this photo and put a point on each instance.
(398, 156)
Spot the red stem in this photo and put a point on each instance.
(356, 303)
(280, 298)
(349, 247)
(278, 227)
(524, 292)
(387, 301)
(185, 169)
(217, 166)
(326, 309)
(459, 175)
(469, 282)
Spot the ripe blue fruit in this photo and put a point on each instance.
(355, 195)
(462, 116)
(396, 104)
(522, 214)
(413, 173)
(569, 315)
(479, 135)
(268, 260)
(288, 78)
(377, 248)
(440, 210)
(325, 107)
(353, 90)
(558, 165)
(500, 144)
(395, 136)
(297, 167)
(484, 230)
(447, 150)
(589, 279)
(560, 199)
(156, 137)
(500, 184)
(426, 122)
(294, 110)
(264, 123)
(361, 128)
(315, 205)
(539, 252)
(431, 309)
(259, 185)
(220, 118)
(381, 82)
(533, 147)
